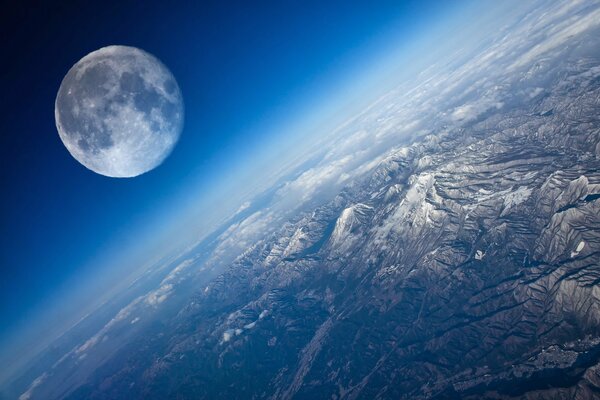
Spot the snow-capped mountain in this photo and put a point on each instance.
(445, 244)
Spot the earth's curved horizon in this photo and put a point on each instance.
(444, 243)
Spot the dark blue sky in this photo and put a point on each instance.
(239, 65)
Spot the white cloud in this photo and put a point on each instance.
(159, 295)
(243, 207)
(561, 31)
(470, 112)
(175, 275)
(227, 335)
(37, 382)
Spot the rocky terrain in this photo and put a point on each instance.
(465, 265)
(456, 255)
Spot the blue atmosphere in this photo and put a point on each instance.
(300, 200)
(245, 71)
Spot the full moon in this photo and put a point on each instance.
(119, 111)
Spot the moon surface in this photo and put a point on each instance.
(119, 111)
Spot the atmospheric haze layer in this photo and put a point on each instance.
(444, 242)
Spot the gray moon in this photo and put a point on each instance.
(119, 111)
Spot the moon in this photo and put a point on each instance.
(119, 111)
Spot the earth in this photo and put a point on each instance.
(445, 243)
